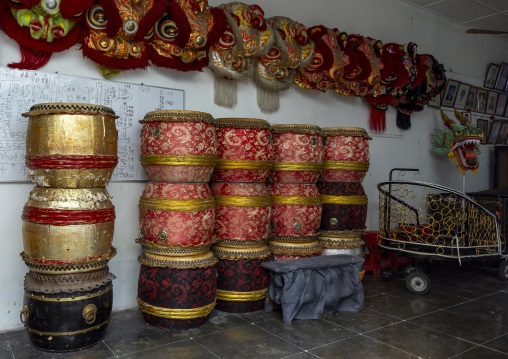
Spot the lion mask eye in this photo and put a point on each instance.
(96, 17)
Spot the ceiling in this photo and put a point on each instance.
(474, 14)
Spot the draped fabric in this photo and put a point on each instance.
(308, 287)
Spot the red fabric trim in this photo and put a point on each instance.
(22, 35)
(220, 24)
(70, 8)
(315, 32)
(180, 18)
(365, 65)
(149, 20)
(388, 66)
(175, 63)
(113, 62)
(24, 5)
(327, 53)
(420, 73)
(115, 21)
(31, 59)
(69, 161)
(60, 217)
(354, 62)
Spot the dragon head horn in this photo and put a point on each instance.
(461, 118)
(446, 120)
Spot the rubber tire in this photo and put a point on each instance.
(503, 270)
(418, 282)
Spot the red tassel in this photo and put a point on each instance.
(31, 59)
(377, 121)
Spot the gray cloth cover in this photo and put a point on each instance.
(308, 287)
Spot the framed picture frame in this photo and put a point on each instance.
(435, 101)
(462, 93)
(471, 99)
(491, 102)
(494, 132)
(450, 93)
(492, 73)
(502, 78)
(481, 100)
(483, 125)
(503, 133)
(501, 104)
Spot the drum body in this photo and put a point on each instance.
(346, 154)
(71, 145)
(296, 210)
(176, 214)
(178, 146)
(244, 150)
(242, 212)
(241, 281)
(67, 226)
(291, 250)
(297, 154)
(344, 207)
(283, 257)
(175, 298)
(63, 321)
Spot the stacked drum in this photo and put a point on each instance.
(296, 203)
(346, 161)
(177, 281)
(242, 213)
(68, 224)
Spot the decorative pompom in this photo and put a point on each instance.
(403, 121)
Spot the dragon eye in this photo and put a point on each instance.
(166, 28)
(96, 18)
(458, 133)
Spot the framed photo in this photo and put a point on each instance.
(481, 100)
(450, 93)
(460, 101)
(492, 102)
(501, 104)
(471, 99)
(494, 132)
(502, 77)
(492, 73)
(503, 133)
(435, 101)
(483, 125)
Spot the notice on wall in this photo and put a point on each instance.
(19, 90)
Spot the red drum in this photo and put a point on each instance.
(296, 211)
(245, 150)
(298, 154)
(177, 296)
(242, 212)
(176, 214)
(178, 146)
(68, 230)
(294, 249)
(346, 156)
(241, 281)
(344, 207)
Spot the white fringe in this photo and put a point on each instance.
(268, 100)
(224, 92)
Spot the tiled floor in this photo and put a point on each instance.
(465, 315)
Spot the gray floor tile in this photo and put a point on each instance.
(422, 342)
(217, 321)
(187, 349)
(5, 350)
(481, 352)
(362, 321)
(260, 316)
(460, 286)
(437, 299)
(307, 334)
(360, 347)
(303, 355)
(500, 344)
(248, 341)
(483, 311)
(398, 307)
(461, 326)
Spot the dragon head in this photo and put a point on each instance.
(461, 142)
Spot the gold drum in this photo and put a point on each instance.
(71, 145)
(66, 226)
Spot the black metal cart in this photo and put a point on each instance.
(429, 221)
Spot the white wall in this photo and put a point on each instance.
(387, 20)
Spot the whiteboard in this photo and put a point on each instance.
(19, 90)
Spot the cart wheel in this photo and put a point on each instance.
(503, 270)
(418, 282)
(407, 268)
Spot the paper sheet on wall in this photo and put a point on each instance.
(19, 90)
